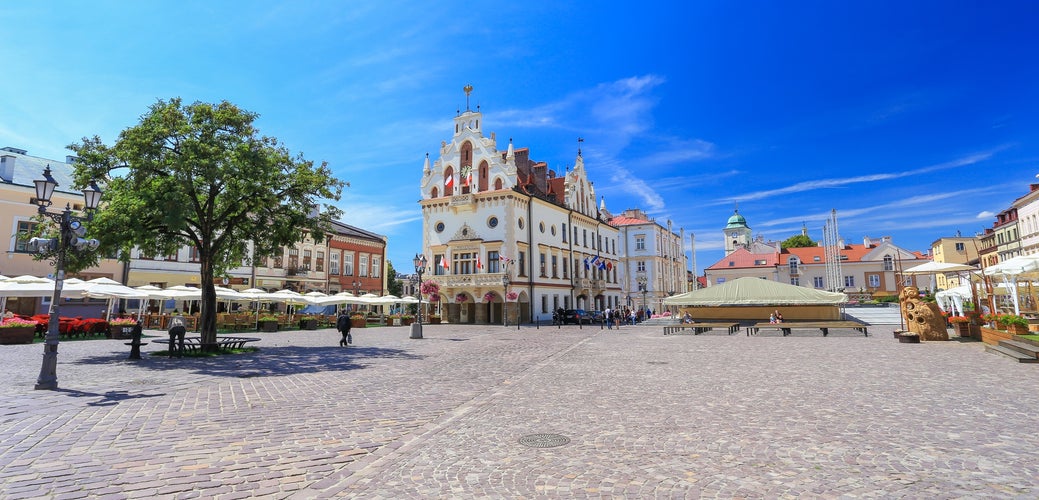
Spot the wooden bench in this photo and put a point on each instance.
(823, 326)
(699, 328)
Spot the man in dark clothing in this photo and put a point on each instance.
(343, 325)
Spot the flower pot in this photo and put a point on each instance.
(434, 320)
(1018, 329)
(17, 335)
(120, 331)
(962, 329)
(358, 322)
(909, 339)
(407, 321)
(310, 324)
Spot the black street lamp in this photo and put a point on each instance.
(505, 281)
(643, 282)
(70, 234)
(420, 267)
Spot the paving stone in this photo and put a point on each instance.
(646, 415)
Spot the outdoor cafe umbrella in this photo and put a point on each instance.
(34, 286)
(1010, 269)
(107, 288)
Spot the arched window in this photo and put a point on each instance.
(449, 181)
(497, 183)
(434, 193)
(483, 175)
(466, 166)
(889, 263)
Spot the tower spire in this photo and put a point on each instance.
(468, 90)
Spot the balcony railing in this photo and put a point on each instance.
(298, 271)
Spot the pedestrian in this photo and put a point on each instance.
(632, 317)
(177, 332)
(779, 316)
(608, 317)
(343, 325)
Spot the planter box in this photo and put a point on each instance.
(396, 322)
(310, 324)
(358, 323)
(268, 326)
(962, 329)
(909, 339)
(992, 336)
(406, 321)
(434, 321)
(120, 331)
(17, 335)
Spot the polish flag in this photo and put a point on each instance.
(449, 181)
(443, 262)
(469, 178)
(479, 263)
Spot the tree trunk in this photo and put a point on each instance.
(207, 318)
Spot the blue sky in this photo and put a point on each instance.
(913, 120)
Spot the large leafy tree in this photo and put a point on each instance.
(202, 175)
(393, 285)
(798, 241)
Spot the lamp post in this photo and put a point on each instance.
(505, 281)
(70, 234)
(420, 267)
(642, 281)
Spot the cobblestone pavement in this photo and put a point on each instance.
(646, 416)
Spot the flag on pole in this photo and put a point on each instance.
(609, 266)
(443, 262)
(595, 261)
(602, 264)
(479, 263)
(504, 259)
(449, 181)
(587, 266)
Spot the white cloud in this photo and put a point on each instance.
(985, 214)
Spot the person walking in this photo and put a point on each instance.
(343, 325)
(607, 316)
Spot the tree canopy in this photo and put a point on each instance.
(201, 175)
(798, 241)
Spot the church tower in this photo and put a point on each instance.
(737, 233)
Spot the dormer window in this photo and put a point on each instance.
(793, 266)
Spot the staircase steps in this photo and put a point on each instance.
(1023, 352)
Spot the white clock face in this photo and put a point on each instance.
(75, 225)
(735, 234)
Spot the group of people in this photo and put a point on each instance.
(616, 317)
(775, 317)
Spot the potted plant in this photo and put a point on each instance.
(961, 324)
(358, 320)
(434, 319)
(121, 328)
(395, 320)
(1014, 324)
(268, 323)
(17, 331)
(407, 319)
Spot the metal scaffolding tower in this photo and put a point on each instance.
(831, 242)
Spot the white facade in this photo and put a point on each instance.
(653, 254)
(488, 213)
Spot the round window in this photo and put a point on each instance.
(492, 222)
(553, 230)
(520, 221)
(440, 227)
(541, 226)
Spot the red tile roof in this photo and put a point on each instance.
(621, 220)
(742, 258)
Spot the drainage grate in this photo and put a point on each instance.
(656, 362)
(544, 440)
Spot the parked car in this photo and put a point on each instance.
(595, 317)
(573, 316)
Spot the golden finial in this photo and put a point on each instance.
(468, 90)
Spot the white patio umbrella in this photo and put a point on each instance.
(107, 288)
(938, 267)
(34, 286)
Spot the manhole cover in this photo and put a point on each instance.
(544, 440)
